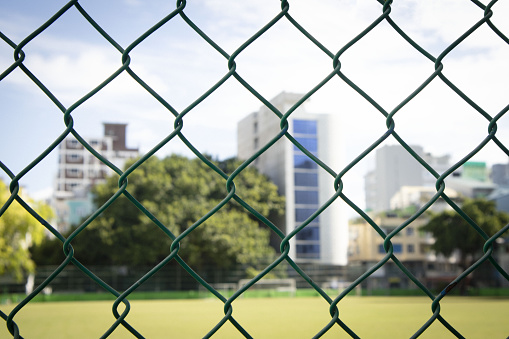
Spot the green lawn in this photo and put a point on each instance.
(369, 317)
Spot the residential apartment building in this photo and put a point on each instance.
(305, 185)
(411, 246)
(79, 170)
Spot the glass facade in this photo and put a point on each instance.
(301, 214)
(301, 160)
(306, 189)
(309, 233)
(306, 127)
(309, 251)
(309, 143)
(306, 197)
(306, 179)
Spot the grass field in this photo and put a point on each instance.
(369, 317)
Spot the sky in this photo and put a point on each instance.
(71, 58)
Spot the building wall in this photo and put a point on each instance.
(305, 186)
(439, 163)
(500, 174)
(470, 188)
(395, 168)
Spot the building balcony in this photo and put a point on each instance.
(74, 159)
(73, 144)
(73, 174)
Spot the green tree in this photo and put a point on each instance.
(19, 230)
(453, 233)
(179, 191)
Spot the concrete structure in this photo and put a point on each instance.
(305, 185)
(79, 170)
(395, 168)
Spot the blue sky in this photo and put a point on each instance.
(71, 58)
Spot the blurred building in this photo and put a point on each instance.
(412, 198)
(475, 170)
(469, 188)
(79, 170)
(500, 175)
(411, 246)
(501, 198)
(305, 185)
(395, 168)
(472, 181)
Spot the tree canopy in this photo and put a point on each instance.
(453, 233)
(179, 191)
(18, 230)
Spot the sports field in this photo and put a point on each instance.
(369, 317)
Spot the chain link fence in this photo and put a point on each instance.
(230, 59)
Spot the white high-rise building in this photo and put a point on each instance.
(305, 185)
(395, 168)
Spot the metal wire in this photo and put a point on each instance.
(231, 193)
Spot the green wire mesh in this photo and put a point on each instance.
(179, 13)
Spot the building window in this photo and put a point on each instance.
(306, 179)
(301, 214)
(73, 172)
(410, 248)
(74, 158)
(306, 197)
(410, 231)
(71, 186)
(309, 251)
(309, 233)
(303, 161)
(92, 159)
(398, 248)
(310, 144)
(73, 143)
(424, 248)
(304, 127)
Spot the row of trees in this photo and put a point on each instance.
(178, 191)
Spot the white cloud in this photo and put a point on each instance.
(180, 66)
